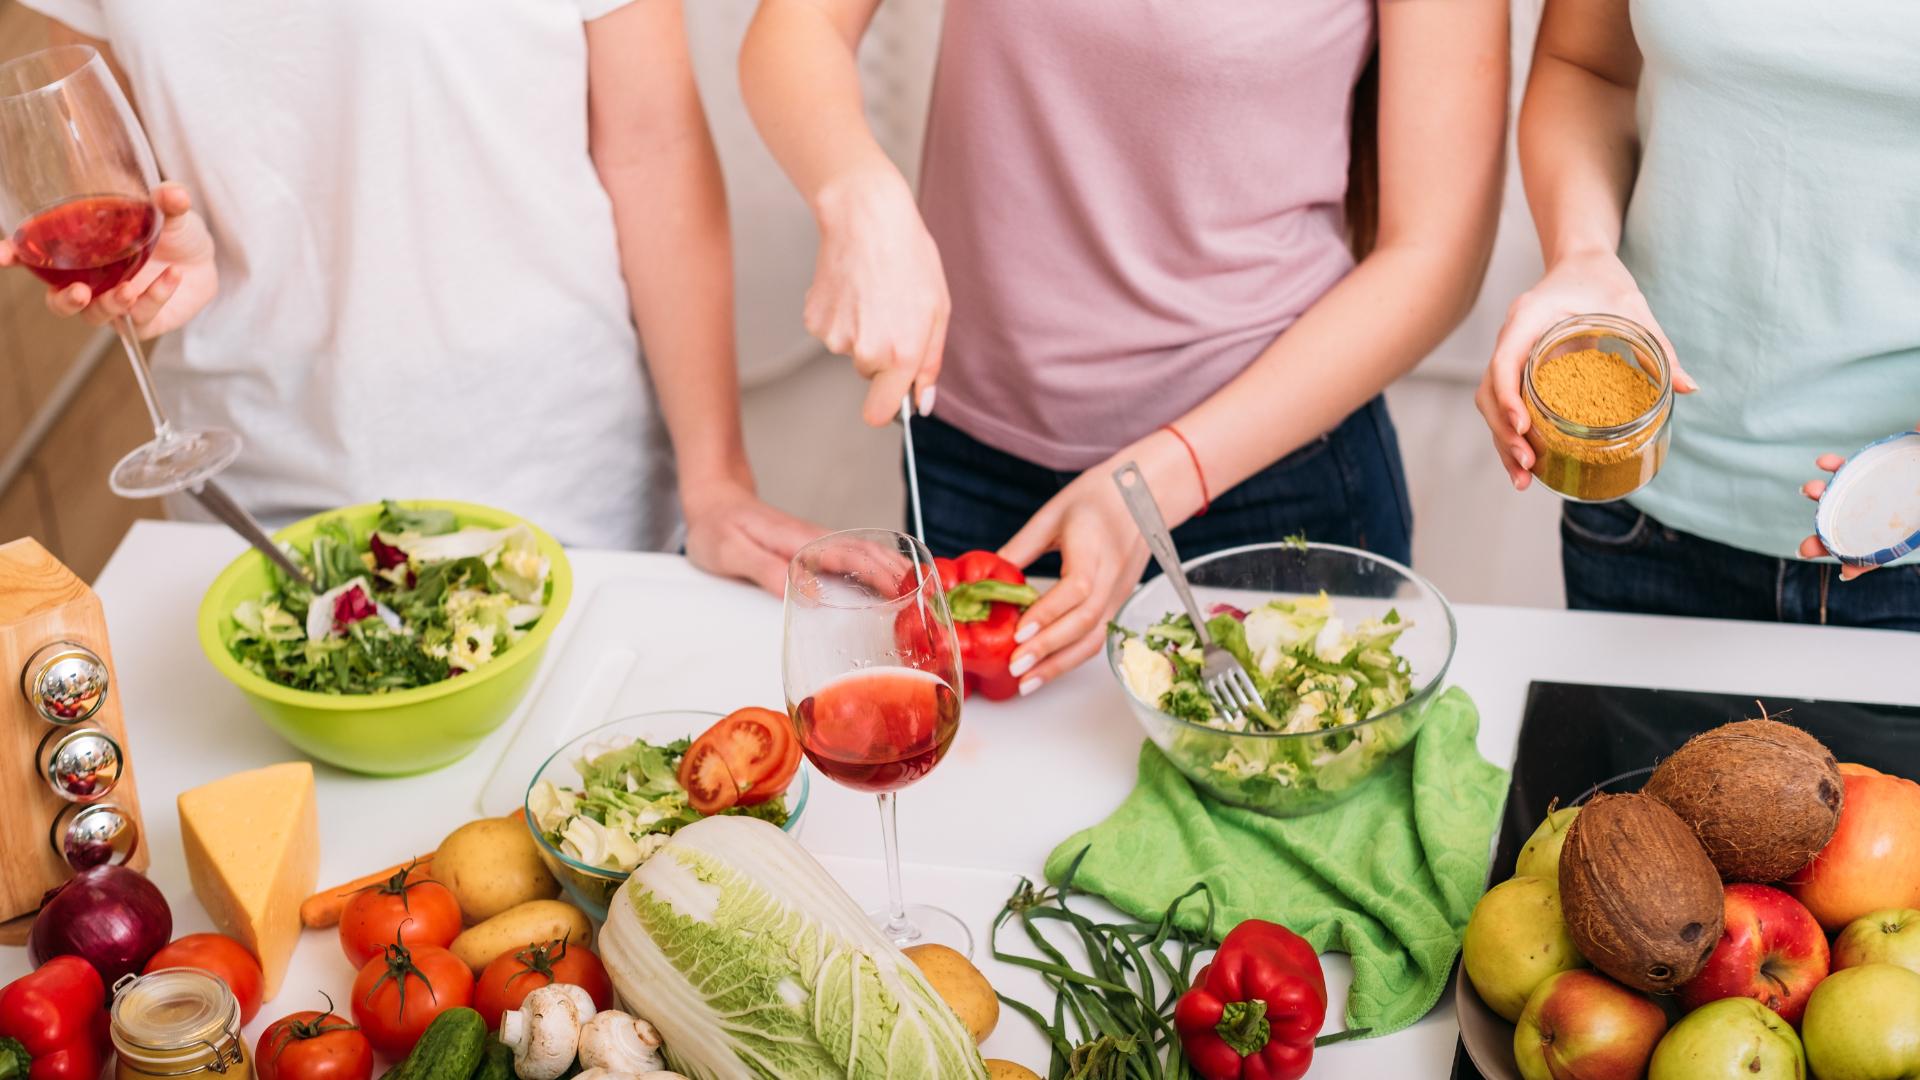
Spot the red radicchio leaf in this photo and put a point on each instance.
(352, 606)
(1228, 609)
(385, 555)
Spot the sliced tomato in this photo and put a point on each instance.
(710, 783)
(775, 782)
(754, 742)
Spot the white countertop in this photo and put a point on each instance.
(1021, 776)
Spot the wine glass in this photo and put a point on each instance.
(872, 671)
(76, 189)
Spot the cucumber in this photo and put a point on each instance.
(450, 1049)
(497, 1062)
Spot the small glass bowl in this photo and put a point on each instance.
(1328, 767)
(1599, 464)
(591, 888)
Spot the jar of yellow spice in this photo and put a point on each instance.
(177, 1022)
(1599, 392)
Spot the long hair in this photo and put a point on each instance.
(1363, 161)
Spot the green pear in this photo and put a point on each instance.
(1731, 1039)
(1863, 1023)
(1517, 939)
(1541, 856)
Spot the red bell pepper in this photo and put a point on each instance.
(986, 595)
(53, 1023)
(1253, 1012)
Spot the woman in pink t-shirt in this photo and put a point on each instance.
(1136, 240)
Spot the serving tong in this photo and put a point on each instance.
(1225, 678)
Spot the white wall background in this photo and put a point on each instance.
(773, 232)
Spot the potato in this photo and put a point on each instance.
(1002, 1069)
(492, 865)
(531, 923)
(960, 985)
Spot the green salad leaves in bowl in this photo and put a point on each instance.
(423, 631)
(1346, 649)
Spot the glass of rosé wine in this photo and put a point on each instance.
(76, 197)
(872, 671)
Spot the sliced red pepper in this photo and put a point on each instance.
(53, 1023)
(986, 594)
(1253, 1013)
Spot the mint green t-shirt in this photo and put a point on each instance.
(1774, 228)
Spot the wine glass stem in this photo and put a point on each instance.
(898, 928)
(130, 339)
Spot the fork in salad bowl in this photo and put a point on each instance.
(1226, 680)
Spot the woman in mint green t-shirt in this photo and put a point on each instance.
(1742, 176)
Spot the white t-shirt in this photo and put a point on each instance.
(420, 287)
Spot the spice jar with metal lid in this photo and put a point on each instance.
(177, 1022)
(1599, 393)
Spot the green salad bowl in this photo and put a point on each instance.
(405, 731)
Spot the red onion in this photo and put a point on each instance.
(109, 916)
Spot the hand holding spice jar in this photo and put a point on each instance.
(1599, 395)
(1574, 284)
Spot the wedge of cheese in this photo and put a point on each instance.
(253, 852)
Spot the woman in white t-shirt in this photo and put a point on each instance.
(432, 228)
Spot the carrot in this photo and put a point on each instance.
(323, 908)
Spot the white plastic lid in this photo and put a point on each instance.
(1870, 514)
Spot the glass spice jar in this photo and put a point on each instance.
(177, 1022)
(1599, 463)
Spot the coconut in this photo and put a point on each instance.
(1762, 796)
(1641, 899)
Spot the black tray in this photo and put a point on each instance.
(1574, 737)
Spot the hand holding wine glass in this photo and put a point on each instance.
(177, 281)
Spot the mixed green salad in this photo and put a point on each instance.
(629, 802)
(417, 600)
(1316, 676)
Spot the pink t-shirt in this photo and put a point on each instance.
(1132, 199)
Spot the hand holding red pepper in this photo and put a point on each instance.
(986, 595)
(1253, 1013)
(53, 1023)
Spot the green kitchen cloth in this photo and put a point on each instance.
(1387, 877)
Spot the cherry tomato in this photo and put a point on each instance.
(709, 781)
(407, 908)
(775, 782)
(313, 1046)
(222, 957)
(510, 978)
(397, 994)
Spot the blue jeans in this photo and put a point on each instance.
(1346, 487)
(1619, 559)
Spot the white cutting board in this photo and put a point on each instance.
(616, 663)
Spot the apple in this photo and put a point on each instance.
(1515, 939)
(1734, 1038)
(1541, 856)
(1583, 1026)
(1884, 937)
(1772, 951)
(1873, 861)
(1864, 1024)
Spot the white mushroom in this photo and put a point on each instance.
(605, 1074)
(614, 1040)
(544, 1031)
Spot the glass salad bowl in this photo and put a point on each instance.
(591, 884)
(1288, 773)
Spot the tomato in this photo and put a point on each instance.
(396, 995)
(313, 1046)
(510, 978)
(402, 909)
(754, 742)
(709, 781)
(775, 782)
(222, 957)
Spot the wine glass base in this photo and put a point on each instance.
(927, 925)
(179, 462)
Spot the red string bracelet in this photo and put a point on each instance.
(1205, 499)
